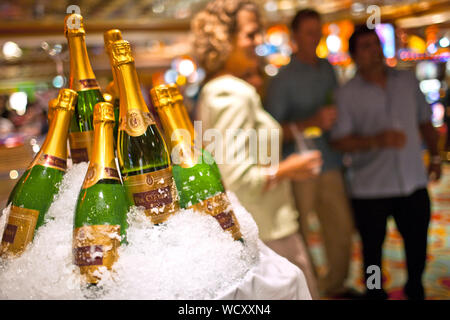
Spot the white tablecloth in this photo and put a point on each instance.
(274, 278)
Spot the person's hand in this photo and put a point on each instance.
(434, 171)
(391, 139)
(303, 166)
(326, 117)
(296, 167)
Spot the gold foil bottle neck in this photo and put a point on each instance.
(121, 52)
(51, 108)
(73, 25)
(104, 112)
(175, 93)
(52, 103)
(66, 99)
(161, 96)
(111, 36)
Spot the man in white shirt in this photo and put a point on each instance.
(382, 117)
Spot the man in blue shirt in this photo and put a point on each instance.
(301, 96)
(383, 118)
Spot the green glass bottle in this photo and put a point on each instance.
(33, 194)
(109, 37)
(82, 80)
(195, 172)
(142, 152)
(102, 206)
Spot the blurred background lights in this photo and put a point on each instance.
(444, 42)
(197, 76)
(432, 96)
(186, 67)
(333, 43)
(13, 174)
(432, 48)
(18, 102)
(158, 7)
(430, 85)
(11, 50)
(270, 6)
(386, 33)
(357, 8)
(181, 80)
(58, 81)
(276, 38)
(438, 114)
(170, 76)
(271, 70)
(36, 148)
(192, 90)
(426, 70)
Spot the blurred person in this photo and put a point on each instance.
(225, 36)
(382, 116)
(300, 95)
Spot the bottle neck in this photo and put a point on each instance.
(180, 109)
(102, 164)
(179, 136)
(55, 144)
(103, 145)
(81, 75)
(114, 74)
(130, 95)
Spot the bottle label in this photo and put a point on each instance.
(87, 84)
(96, 172)
(19, 231)
(219, 207)
(136, 122)
(155, 191)
(81, 145)
(94, 247)
(47, 160)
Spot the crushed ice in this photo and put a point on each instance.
(188, 257)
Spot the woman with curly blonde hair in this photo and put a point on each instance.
(226, 34)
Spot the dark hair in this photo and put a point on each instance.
(360, 30)
(303, 15)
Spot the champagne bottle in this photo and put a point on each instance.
(100, 216)
(82, 80)
(142, 152)
(33, 194)
(109, 37)
(195, 172)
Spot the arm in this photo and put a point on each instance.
(430, 135)
(354, 143)
(324, 118)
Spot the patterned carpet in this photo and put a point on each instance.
(437, 273)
